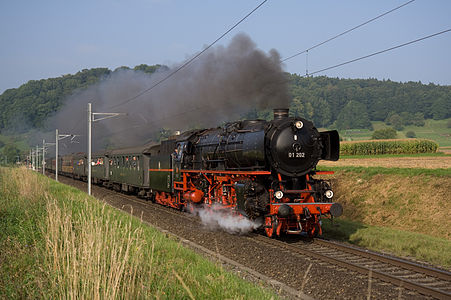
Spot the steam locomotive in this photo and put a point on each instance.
(261, 170)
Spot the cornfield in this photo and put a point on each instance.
(408, 146)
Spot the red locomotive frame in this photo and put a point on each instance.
(221, 191)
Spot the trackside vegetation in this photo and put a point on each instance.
(409, 146)
(56, 242)
(404, 211)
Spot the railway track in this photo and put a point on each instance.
(409, 275)
(405, 274)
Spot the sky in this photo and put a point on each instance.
(45, 39)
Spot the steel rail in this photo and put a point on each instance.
(423, 289)
(416, 267)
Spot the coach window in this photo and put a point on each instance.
(134, 162)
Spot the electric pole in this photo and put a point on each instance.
(43, 157)
(37, 158)
(91, 119)
(57, 138)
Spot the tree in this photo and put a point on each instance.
(321, 112)
(411, 134)
(418, 119)
(353, 115)
(11, 152)
(386, 133)
(388, 118)
(406, 118)
(396, 121)
(440, 109)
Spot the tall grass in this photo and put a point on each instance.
(91, 255)
(408, 146)
(58, 243)
(21, 210)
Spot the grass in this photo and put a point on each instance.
(436, 154)
(435, 130)
(403, 211)
(402, 243)
(369, 172)
(59, 243)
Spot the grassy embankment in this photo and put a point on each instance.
(56, 242)
(402, 211)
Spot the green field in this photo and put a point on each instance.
(435, 130)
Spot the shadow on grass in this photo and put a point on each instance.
(341, 230)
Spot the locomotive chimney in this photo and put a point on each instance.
(280, 113)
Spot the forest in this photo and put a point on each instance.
(329, 102)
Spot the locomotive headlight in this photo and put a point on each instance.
(299, 124)
(329, 194)
(278, 194)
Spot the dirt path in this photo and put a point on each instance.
(428, 162)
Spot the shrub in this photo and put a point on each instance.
(398, 127)
(411, 134)
(386, 133)
(388, 147)
(418, 119)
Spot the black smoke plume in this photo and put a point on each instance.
(221, 85)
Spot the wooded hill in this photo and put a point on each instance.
(329, 102)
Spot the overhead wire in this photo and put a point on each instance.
(190, 60)
(347, 31)
(315, 72)
(379, 52)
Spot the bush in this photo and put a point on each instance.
(398, 127)
(411, 134)
(383, 134)
(388, 147)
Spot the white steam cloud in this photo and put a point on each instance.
(214, 218)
